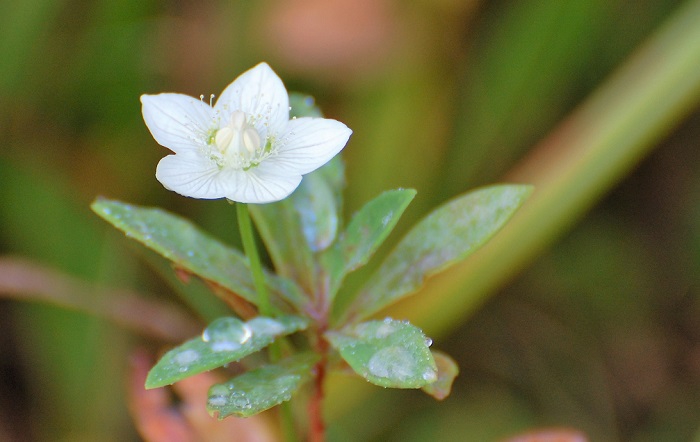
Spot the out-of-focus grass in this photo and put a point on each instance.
(599, 333)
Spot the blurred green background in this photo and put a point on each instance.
(585, 315)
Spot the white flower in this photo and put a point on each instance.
(244, 147)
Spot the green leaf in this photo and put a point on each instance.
(447, 372)
(367, 230)
(225, 340)
(180, 241)
(303, 106)
(318, 213)
(280, 229)
(447, 235)
(260, 389)
(307, 222)
(387, 353)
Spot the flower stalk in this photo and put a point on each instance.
(251, 250)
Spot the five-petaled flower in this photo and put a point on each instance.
(244, 147)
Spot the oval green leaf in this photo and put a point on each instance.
(225, 340)
(367, 230)
(447, 372)
(387, 353)
(180, 241)
(260, 389)
(449, 234)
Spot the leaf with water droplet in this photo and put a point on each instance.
(180, 241)
(262, 388)
(447, 371)
(303, 224)
(447, 235)
(387, 353)
(365, 233)
(225, 340)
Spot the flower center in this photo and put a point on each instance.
(238, 142)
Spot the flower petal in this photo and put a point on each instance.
(308, 144)
(178, 122)
(192, 174)
(259, 185)
(258, 92)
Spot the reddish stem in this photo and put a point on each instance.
(317, 426)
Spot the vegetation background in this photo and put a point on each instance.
(584, 315)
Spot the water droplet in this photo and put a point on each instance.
(387, 328)
(239, 400)
(217, 401)
(226, 334)
(267, 326)
(186, 357)
(387, 218)
(218, 395)
(428, 341)
(218, 346)
(393, 363)
(430, 375)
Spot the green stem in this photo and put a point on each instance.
(251, 251)
(264, 306)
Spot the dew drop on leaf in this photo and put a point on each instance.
(430, 375)
(186, 357)
(268, 326)
(392, 362)
(226, 334)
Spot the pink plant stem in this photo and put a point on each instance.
(317, 427)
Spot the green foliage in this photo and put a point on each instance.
(301, 235)
(387, 353)
(225, 340)
(447, 235)
(433, 115)
(262, 388)
(366, 232)
(188, 247)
